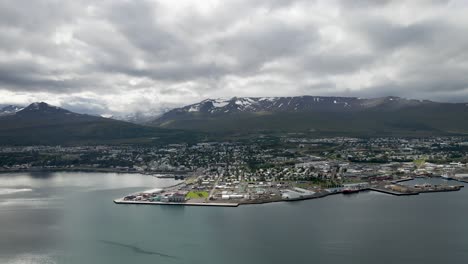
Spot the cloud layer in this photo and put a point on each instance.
(127, 56)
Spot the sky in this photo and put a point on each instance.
(112, 56)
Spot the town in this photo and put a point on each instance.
(264, 169)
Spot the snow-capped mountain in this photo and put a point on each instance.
(338, 115)
(137, 117)
(44, 124)
(293, 104)
(10, 109)
(42, 109)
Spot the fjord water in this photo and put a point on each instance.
(70, 218)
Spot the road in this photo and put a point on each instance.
(214, 187)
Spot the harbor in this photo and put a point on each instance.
(191, 194)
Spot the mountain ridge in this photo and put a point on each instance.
(9, 109)
(295, 103)
(324, 114)
(41, 123)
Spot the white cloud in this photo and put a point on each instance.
(125, 56)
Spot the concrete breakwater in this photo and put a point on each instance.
(416, 191)
(387, 191)
(459, 180)
(122, 201)
(402, 180)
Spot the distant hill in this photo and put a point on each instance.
(9, 109)
(137, 117)
(40, 123)
(384, 116)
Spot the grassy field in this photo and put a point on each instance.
(196, 195)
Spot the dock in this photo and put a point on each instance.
(122, 201)
(402, 180)
(386, 191)
(459, 180)
(413, 191)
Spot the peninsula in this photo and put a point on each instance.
(220, 192)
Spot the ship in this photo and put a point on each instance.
(445, 177)
(350, 190)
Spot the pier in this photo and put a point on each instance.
(407, 190)
(122, 201)
(387, 191)
(402, 180)
(459, 180)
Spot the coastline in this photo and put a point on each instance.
(222, 204)
(165, 174)
(302, 198)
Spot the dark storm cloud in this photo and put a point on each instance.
(96, 56)
(31, 77)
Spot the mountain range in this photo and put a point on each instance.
(41, 123)
(385, 116)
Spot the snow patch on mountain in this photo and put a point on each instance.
(194, 108)
(107, 115)
(41, 105)
(268, 99)
(10, 110)
(235, 105)
(220, 102)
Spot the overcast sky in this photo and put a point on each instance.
(125, 56)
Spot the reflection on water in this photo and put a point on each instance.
(70, 218)
(4, 191)
(41, 174)
(34, 208)
(30, 259)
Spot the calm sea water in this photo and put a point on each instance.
(70, 218)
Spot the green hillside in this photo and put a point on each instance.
(424, 120)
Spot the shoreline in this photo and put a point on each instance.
(164, 174)
(121, 201)
(303, 198)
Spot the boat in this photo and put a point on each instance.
(445, 177)
(350, 190)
